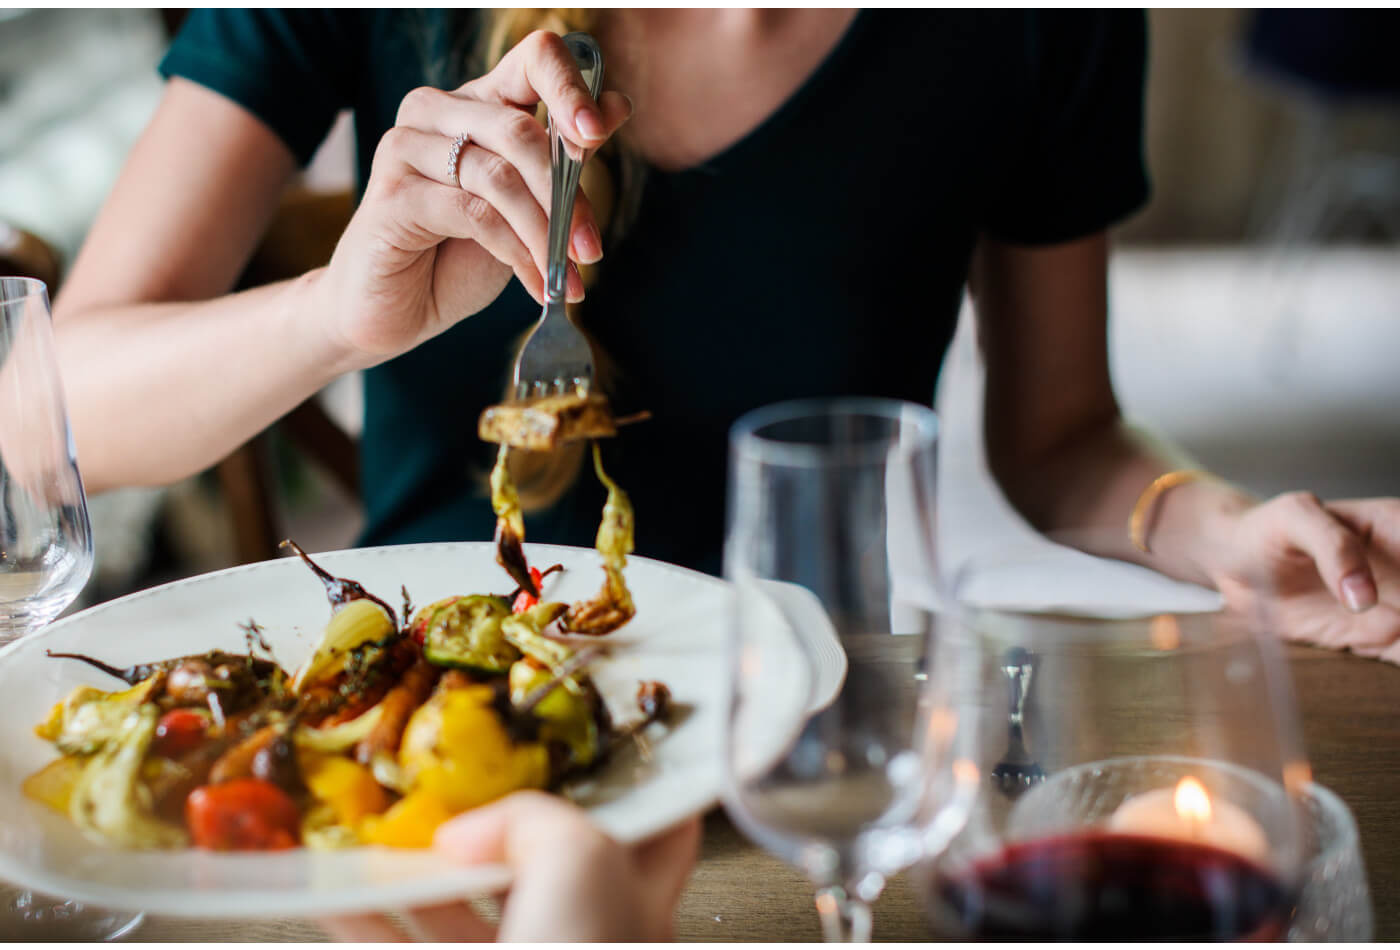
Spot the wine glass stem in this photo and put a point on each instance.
(845, 918)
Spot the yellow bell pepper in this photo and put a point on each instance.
(345, 785)
(53, 784)
(410, 823)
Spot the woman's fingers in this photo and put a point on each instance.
(1337, 550)
(427, 212)
(479, 172)
(540, 68)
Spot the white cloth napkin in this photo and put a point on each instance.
(990, 557)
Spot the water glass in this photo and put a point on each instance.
(830, 530)
(45, 544)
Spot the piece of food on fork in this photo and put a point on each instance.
(544, 423)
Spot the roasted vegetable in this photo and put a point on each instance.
(109, 799)
(339, 737)
(89, 718)
(53, 784)
(465, 632)
(346, 787)
(244, 815)
(458, 747)
(510, 524)
(395, 709)
(544, 423)
(565, 717)
(340, 591)
(612, 606)
(356, 624)
(179, 731)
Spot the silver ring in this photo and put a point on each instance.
(454, 156)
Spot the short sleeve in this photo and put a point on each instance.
(292, 69)
(1074, 165)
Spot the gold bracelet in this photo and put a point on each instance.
(1137, 522)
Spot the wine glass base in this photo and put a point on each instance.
(26, 916)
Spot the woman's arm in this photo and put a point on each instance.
(161, 380)
(1065, 459)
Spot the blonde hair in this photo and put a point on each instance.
(542, 478)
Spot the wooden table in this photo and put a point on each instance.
(1351, 722)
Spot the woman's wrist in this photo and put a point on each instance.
(312, 308)
(1194, 525)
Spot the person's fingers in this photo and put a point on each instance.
(512, 829)
(540, 68)
(424, 212)
(1337, 550)
(665, 862)
(480, 172)
(1371, 633)
(447, 923)
(360, 928)
(513, 135)
(1376, 520)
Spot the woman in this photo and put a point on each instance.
(819, 186)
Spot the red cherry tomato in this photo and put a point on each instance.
(523, 600)
(179, 731)
(246, 814)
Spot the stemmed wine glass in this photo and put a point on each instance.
(829, 547)
(45, 545)
(1141, 778)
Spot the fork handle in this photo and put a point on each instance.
(565, 170)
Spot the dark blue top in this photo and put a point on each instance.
(825, 253)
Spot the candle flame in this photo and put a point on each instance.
(1192, 802)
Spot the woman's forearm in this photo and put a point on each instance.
(1083, 493)
(159, 391)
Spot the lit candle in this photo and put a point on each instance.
(1187, 812)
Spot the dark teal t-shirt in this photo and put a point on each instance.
(823, 254)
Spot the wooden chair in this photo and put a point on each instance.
(302, 236)
(25, 254)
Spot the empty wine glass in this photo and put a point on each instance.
(829, 540)
(45, 544)
(1170, 777)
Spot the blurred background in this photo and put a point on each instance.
(1255, 301)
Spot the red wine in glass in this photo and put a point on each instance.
(1097, 885)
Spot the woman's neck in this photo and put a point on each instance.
(701, 80)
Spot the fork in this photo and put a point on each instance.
(1017, 771)
(556, 358)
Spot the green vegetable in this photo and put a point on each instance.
(466, 632)
(565, 717)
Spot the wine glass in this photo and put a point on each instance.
(45, 544)
(829, 547)
(1160, 776)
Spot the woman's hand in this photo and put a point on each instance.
(423, 251)
(1325, 573)
(570, 881)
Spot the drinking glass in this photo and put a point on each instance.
(1141, 778)
(1335, 903)
(829, 541)
(45, 544)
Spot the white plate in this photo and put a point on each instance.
(678, 637)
